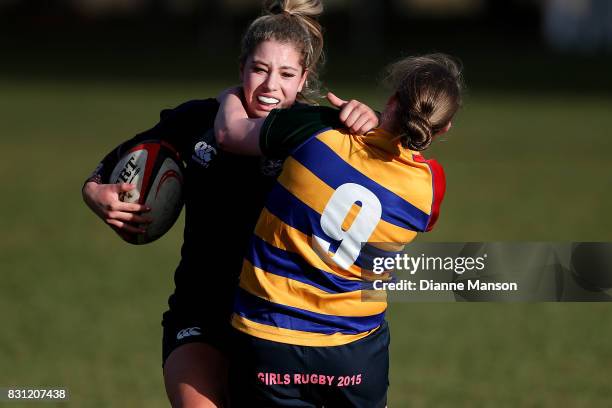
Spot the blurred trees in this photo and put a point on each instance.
(367, 25)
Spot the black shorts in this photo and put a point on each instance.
(198, 316)
(200, 307)
(270, 374)
(179, 330)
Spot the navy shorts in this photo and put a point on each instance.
(270, 374)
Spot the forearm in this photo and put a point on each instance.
(234, 130)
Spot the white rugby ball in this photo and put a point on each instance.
(156, 170)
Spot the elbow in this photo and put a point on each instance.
(235, 138)
(222, 136)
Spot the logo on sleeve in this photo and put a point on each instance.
(271, 167)
(192, 331)
(204, 153)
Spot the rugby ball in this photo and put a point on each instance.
(156, 170)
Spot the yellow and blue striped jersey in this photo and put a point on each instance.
(305, 270)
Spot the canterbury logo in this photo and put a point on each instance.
(192, 331)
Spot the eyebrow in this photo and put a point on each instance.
(258, 62)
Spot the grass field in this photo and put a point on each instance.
(81, 310)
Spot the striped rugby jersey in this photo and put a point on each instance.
(305, 269)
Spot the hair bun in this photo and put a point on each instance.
(428, 91)
(304, 8)
(418, 132)
(273, 7)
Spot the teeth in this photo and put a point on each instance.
(267, 101)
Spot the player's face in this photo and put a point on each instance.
(271, 78)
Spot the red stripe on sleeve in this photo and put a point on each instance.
(439, 188)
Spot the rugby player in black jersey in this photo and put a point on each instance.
(281, 53)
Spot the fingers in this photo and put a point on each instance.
(111, 201)
(124, 187)
(358, 117)
(334, 100)
(369, 125)
(127, 207)
(354, 113)
(129, 217)
(363, 125)
(122, 226)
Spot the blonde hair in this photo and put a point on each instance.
(294, 22)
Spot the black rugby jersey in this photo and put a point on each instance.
(223, 193)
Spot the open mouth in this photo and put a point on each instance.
(268, 101)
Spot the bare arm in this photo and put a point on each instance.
(234, 130)
(237, 133)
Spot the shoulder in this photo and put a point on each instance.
(435, 168)
(286, 129)
(301, 116)
(302, 112)
(438, 186)
(196, 110)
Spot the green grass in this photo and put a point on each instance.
(81, 310)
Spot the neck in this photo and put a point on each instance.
(387, 122)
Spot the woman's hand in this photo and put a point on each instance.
(103, 199)
(356, 116)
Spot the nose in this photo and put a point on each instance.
(271, 82)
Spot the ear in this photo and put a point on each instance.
(387, 119)
(392, 103)
(448, 126)
(303, 80)
(445, 129)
